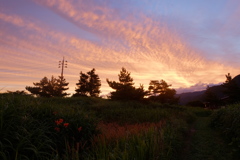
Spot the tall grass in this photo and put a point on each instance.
(134, 112)
(89, 128)
(22, 136)
(153, 141)
(28, 128)
(143, 145)
(131, 130)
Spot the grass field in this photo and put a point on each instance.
(95, 129)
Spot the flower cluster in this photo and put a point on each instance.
(59, 122)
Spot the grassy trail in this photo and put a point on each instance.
(204, 143)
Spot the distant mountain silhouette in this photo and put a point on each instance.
(199, 95)
(237, 79)
(190, 96)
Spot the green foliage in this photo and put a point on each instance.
(53, 87)
(125, 89)
(227, 120)
(88, 85)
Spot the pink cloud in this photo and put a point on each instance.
(143, 44)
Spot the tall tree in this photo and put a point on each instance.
(94, 83)
(160, 91)
(89, 84)
(61, 87)
(124, 89)
(82, 85)
(49, 87)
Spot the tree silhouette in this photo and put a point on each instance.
(61, 86)
(231, 89)
(17, 92)
(160, 91)
(82, 85)
(124, 88)
(49, 87)
(89, 84)
(94, 84)
(228, 79)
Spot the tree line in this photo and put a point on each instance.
(89, 85)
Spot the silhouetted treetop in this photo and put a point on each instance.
(160, 91)
(89, 84)
(124, 89)
(124, 80)
(53, 87)
(231, 89)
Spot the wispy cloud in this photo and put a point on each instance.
(143, 43)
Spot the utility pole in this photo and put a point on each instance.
(62, 64)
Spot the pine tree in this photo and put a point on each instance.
(89, 84)
(49, 87)
(40, 89)
(61, 87)
(82, 85)
(160, 91)
(94, 84)
(124, 88)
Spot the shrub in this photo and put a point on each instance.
(227, 120)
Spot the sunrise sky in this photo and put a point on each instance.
(187, 43)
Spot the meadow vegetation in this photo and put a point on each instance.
(92, 128)
(89, 128)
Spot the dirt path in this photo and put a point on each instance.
(204, 143)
